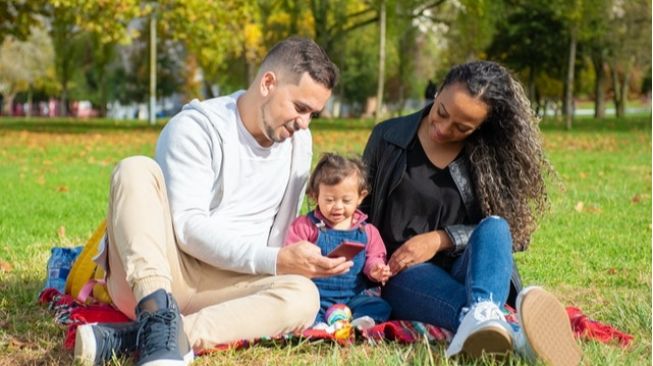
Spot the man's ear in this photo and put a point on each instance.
(268, 83)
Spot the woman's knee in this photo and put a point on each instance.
(495, 228)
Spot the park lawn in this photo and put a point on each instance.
(593, 249)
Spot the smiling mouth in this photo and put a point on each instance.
(290, 131)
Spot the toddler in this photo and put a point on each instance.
(338, 186)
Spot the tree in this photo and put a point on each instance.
(381, 76)
(129, 79)
(524, 41)
(23, 63)
(211, 31)
(17, 18)
(630, 46)
(108, 20)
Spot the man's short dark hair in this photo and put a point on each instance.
(297, 55)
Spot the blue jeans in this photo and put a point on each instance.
(427, 293)
(360, 305)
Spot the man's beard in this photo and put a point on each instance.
(268, 131)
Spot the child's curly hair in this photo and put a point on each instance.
(332, 169)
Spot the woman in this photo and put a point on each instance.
(453, 185)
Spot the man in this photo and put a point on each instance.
(199, 231)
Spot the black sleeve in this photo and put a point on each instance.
(459, 235)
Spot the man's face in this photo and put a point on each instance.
(289, 107)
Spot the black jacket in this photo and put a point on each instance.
(385, 157)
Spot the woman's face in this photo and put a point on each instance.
(455, 115)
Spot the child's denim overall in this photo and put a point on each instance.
(347, 288)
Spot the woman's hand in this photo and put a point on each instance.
(416, 250)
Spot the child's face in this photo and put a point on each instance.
(338, 203)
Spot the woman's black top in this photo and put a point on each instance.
(425, 199)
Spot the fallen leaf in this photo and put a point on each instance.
(636, 198)
(62, 189)
(61, 232)
(6, 266)
(593, 209)
(582, 175)
(579, 206)
(17, 343)
(612, 271)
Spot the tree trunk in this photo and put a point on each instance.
(621, 111)
(28, 111)
(381, 80)
(599, 89)
(8, 101)
(63, 103)
(617, 90)
(569, 81)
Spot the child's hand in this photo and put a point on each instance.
(380, 273)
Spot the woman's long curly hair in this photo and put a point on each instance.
(507, 163)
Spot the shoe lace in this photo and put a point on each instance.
(483, 312)
(113, 343)
(157, 330)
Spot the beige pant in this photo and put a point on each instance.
(219, 306)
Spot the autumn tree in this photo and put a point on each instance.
(108, 20)
(629, 42)
(211, 31)
(23, 63)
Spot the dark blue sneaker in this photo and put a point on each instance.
(97, 343)
(161, 339)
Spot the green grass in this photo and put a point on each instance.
(593, 249)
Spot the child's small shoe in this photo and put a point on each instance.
(363, 323)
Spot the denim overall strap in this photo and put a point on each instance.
(348, 284)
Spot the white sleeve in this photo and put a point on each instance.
(190, 157)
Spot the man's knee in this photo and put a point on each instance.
(135, 168)
(303, 300)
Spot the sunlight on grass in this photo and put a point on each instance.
(593, 249)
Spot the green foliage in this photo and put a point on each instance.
(130, 80)
(224, 42)
(24, 64)
(18, 17)
(210, 30)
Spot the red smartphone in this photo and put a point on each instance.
(347, 249)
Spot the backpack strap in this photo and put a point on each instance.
(86, 290)
(317, 222)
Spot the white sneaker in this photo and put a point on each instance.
(363, 323)
(482, 330)
(545, 333)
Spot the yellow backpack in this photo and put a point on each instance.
(86, 280)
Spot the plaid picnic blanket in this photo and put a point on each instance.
(70, 313)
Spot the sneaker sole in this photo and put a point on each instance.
(85, 345)
(188, 359)
(547, 329)
(492, 341)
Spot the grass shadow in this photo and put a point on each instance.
(75, 126)
(28, 332)
(590, 124)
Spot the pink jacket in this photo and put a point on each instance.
(304, 229)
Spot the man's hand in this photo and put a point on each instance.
(304, 258)
(416, 250)
(380, 273)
